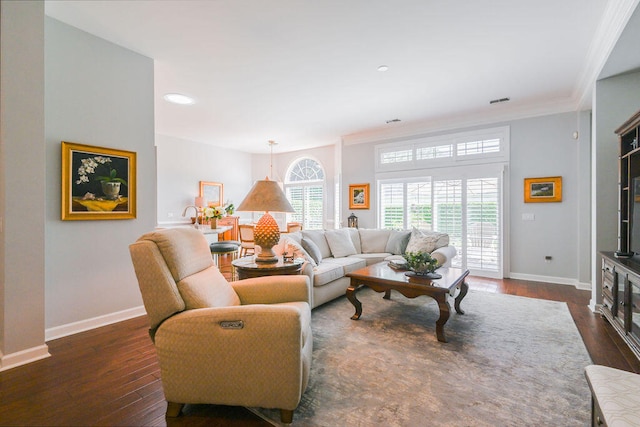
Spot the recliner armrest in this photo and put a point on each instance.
(273, 289)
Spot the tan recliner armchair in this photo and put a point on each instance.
(245, 343)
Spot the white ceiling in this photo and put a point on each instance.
(304, 73)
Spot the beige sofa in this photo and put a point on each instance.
(334, 253)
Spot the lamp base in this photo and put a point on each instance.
(267, 256)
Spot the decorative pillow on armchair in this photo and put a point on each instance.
(426, 241)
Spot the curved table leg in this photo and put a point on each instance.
(387, 294)
(351, 296)
(445, 310)
(464, 287)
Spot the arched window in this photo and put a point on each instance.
(304, 187)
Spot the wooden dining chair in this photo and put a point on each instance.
(247, 243)
(293, 227)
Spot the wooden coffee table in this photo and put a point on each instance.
(382, 278)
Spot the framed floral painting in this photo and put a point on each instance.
(358, 196)
(97, 183)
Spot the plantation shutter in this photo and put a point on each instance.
(420, 213)
(482, 223)
(392, 205)
(447, 206)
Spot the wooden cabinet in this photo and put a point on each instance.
(628, 174)
(621, 297)
(231, 234)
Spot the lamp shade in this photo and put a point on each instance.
(267, 196)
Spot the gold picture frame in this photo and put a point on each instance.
(212, 192)
(358, 196)
(98, 183)
(543, 190)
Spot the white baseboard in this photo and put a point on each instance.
(13, 360)
(551, 279)
(95, 322)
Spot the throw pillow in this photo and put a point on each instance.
(312, 249)
(207, 288)
(298, 251)
(317, 236)
(397, 243)
(340, 243)
(426, 241)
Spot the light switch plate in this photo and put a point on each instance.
(528, 217)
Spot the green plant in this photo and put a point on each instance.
(420, 262)
(111, 178)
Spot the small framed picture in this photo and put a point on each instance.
(211, 192)
(358, 196)
(543, 190)
(97, 183)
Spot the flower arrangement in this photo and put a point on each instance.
(215, 212)
(90, 164)
(420, 262)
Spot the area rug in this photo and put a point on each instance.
(510, 361)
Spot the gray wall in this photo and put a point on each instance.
(96, 93)
(22, 174)
(540, 146)
(183, 164)
(616, 99)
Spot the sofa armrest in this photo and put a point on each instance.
(202, 352)
(449, 252)
(273, 289)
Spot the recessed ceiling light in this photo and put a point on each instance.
(383, 68)
(178, 98)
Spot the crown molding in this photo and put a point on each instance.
(616, 16)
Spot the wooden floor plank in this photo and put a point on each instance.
(110, 375)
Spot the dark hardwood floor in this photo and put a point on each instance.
(110, 376)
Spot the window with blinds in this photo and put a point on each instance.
(467, 209)
(304, 188)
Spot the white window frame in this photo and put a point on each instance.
(312, 183)
(502, 155)
(468, 167)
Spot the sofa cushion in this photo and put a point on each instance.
(373, 240)
(318, 238)
(355, 238)
(372, 258)
(340, 243)
(397, 243)
(312, 249)
(327, 272)
(348, 264)
(207, 288)
(426, 241)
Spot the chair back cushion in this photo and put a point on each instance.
(175, 271)
(159, 291)
(185, 250)
(207, 288)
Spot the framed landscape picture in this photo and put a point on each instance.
(212, 193)
(358, 196)
(542, 190)
(97, 183)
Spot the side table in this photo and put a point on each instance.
(247, 267)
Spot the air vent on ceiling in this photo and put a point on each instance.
(496, 101)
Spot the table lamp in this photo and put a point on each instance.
(267, 196)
